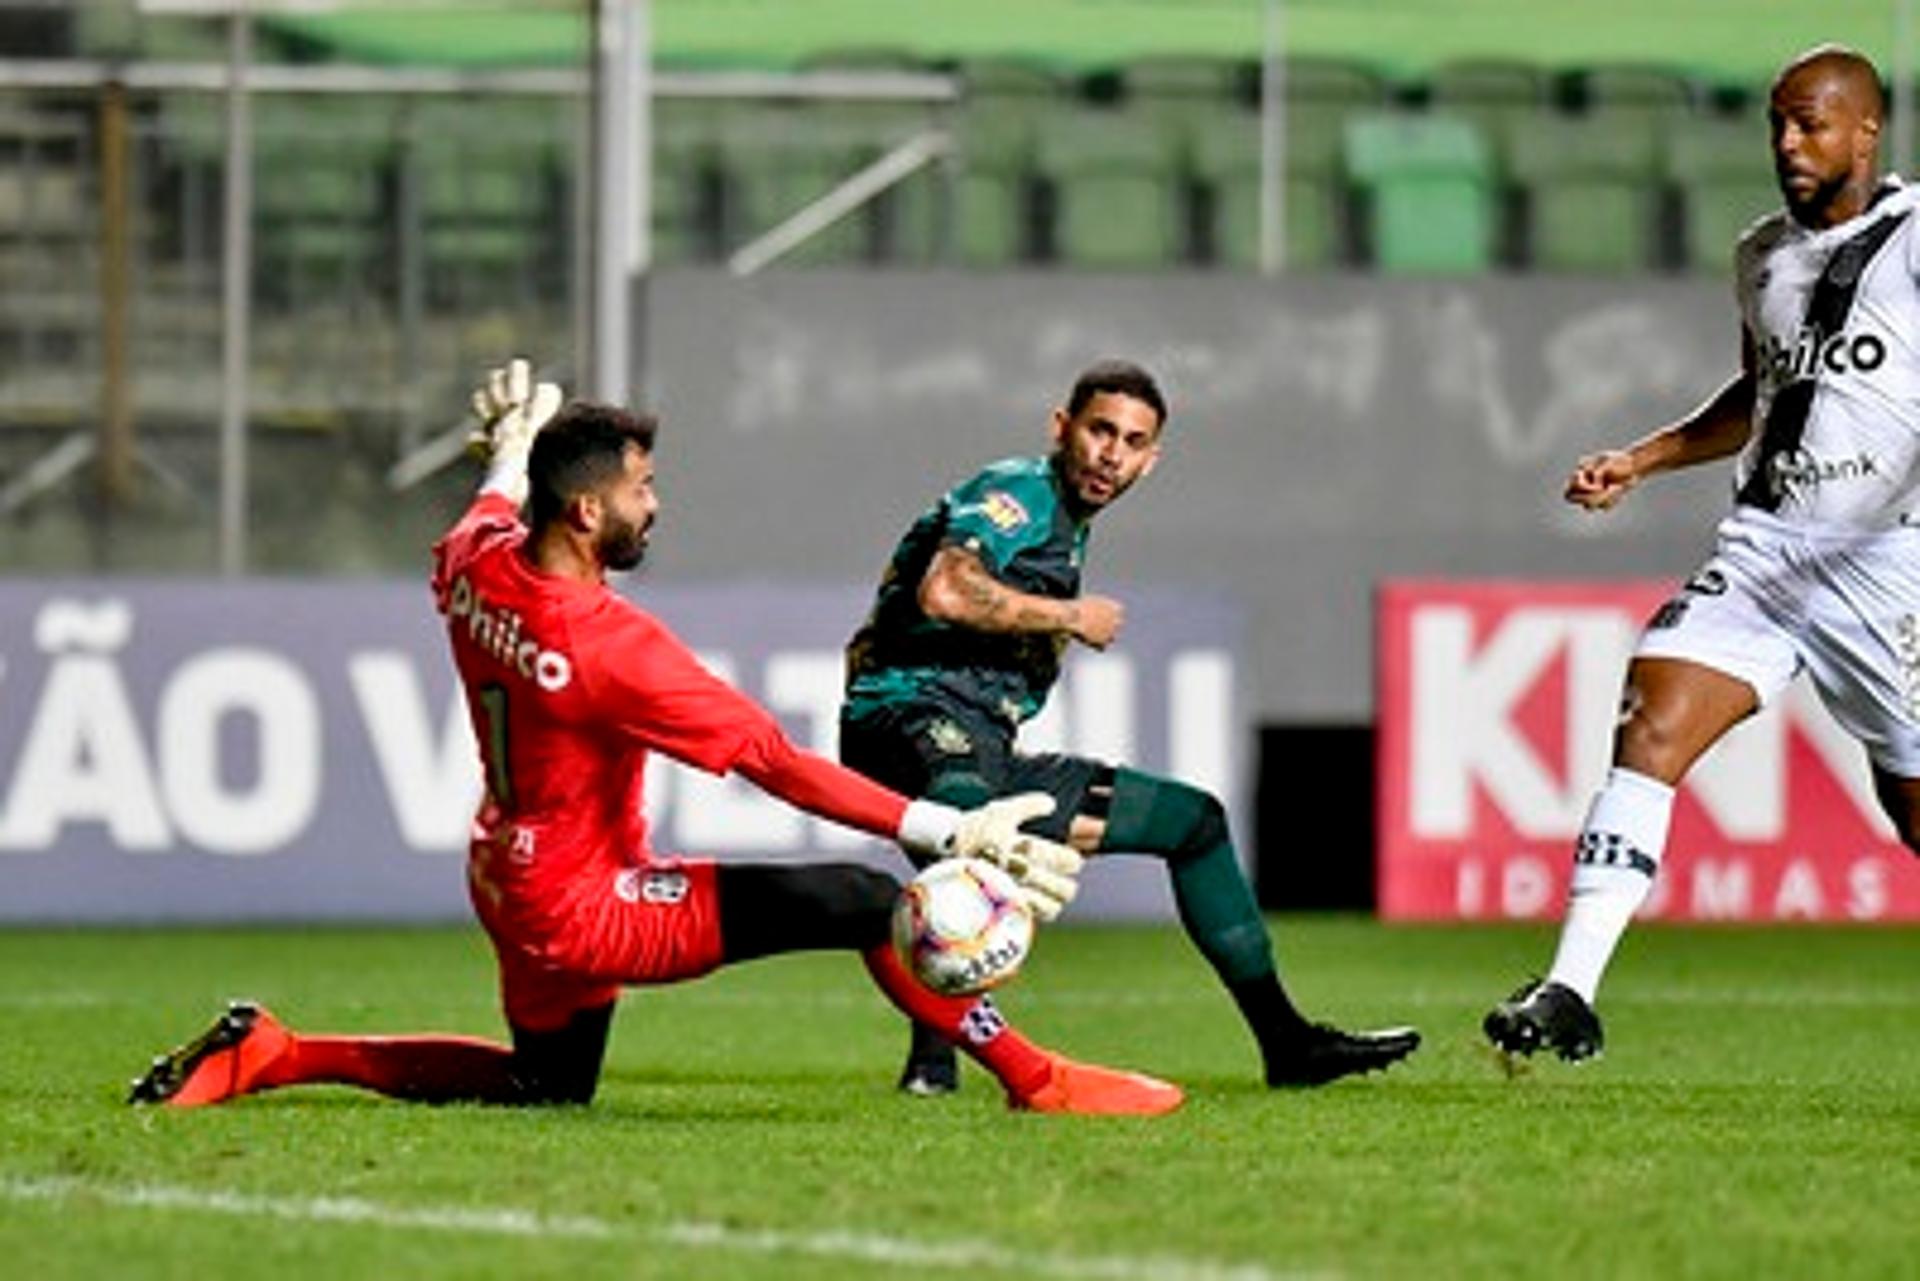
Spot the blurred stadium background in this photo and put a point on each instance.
(1397, 263)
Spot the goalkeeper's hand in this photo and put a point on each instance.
(1044, 869)
(512, 409)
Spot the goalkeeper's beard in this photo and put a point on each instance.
(623, 545)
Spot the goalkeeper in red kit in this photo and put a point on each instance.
(569, 688)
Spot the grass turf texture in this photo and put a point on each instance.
(1757, 1113)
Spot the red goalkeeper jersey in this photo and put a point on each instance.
(569, 687)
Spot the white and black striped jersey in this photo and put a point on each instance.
(1834, 318)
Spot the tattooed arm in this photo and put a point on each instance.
(958, 588)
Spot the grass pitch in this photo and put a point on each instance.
(1757, 1114)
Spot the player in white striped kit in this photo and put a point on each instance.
(1817, 567)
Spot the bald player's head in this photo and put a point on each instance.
(1825, 112)
(1848, 71)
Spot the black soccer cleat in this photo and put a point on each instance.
(1324, 1053)
(933, 1066)
(1549, 1014)
(170, 1072)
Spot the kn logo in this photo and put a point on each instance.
(1497, 703)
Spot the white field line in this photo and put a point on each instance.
(863, 1247)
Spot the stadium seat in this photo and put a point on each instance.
(1721, 169)
(1637, 99)
(1591, 190)
(320, 166)
(488, 186)
(1225, 159)
(1114, 180)
(778, 158)
(686, 177)
(1498, 96)
(993, 211)
(1429, 183)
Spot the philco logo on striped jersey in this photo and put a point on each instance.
(1811, 354)
(498, 632)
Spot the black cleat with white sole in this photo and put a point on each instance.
(1546, 1014)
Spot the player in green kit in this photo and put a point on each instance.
(975, 610)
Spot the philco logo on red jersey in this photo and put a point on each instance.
(497, 631)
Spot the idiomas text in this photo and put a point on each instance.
(247, 749)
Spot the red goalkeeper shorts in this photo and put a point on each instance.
(654, 924)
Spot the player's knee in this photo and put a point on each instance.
(1188, 820)
(1209, 826)
(1648, 744)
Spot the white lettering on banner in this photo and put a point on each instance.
(286, 790)
(1526, 887)
(1867, 889)
(1799, 892)
(432, 780)
(808, 685)
(1200, 721)
(81, 759)
(1464, 699)
(1722, 890)
(1464, 738)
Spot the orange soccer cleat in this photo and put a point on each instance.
(1086, 1090)
(226, 1060)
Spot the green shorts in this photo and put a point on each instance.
(964, 757)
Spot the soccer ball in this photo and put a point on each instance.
(961, 926)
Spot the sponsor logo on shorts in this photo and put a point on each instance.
(634, 885)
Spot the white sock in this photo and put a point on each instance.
(1614, 865)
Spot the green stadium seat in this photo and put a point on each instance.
(1225, 159)
(1429, 179)
(1116, 188)
(1501, 97)
(1592, 192)
(1649, 100)
(778, 158)
(320, 169)
(686, 168)
(488, 186)
(1180, 81)
(995, 174)
(1723, 172)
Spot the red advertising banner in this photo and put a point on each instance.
(1497, 702)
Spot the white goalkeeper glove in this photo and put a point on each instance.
(1043, 869)
(512, 409)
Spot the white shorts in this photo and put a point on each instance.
(1843, 604)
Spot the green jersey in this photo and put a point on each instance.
(1014, 518)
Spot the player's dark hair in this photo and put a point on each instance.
(1119, 377)
(581, 449)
